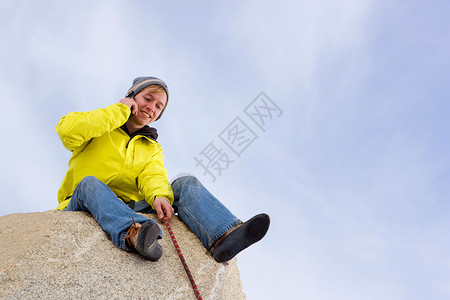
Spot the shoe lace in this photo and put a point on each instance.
(132, 231)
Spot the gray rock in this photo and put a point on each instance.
(66, 255)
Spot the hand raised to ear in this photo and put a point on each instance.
(131, 104)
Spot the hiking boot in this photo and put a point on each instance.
(144, 238)
(240, 237)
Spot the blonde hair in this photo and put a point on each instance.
(154, 88)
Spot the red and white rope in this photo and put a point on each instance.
(183, 260)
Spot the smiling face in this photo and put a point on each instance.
(150, 101)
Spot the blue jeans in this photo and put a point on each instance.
(206, 216)
(203, 213)
(113, 215)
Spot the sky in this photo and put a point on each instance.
(330, 116)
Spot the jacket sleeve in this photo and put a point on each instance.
(153, 182)
(77, 128)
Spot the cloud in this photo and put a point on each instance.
(353, 173)
(285, 41)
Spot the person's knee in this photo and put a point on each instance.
(84, 192)
(184, 185)
(185, 180)
(88, 181)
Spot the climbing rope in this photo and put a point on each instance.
(183, 260)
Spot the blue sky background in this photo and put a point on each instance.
(354, 173)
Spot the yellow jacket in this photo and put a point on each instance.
(132, 169)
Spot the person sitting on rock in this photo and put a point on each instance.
(116, 170)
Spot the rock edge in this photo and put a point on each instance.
(66, 255)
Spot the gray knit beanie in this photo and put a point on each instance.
(141, 83)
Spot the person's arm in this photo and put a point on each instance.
(77, 128)
(154, 185)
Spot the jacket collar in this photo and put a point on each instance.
(146, 131)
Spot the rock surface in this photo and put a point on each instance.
(66, 255)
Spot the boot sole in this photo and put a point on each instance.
(147, 242)
(249, 233)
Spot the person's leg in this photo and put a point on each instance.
(114, 216)
(206, 216)
(217, 228)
